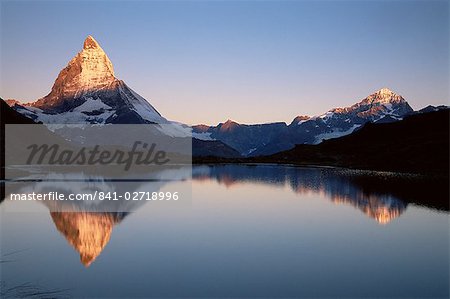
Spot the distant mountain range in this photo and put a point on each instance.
(417, 144)
(265, 139)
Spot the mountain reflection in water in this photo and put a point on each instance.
(88, 225)
(380, 196)
(87, 232)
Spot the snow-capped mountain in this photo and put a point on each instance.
(86, 91)
(342, 121)
(376, 106)
(265, 139)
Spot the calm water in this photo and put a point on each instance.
(248, 232)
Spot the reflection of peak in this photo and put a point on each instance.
(381, 208)
(87, 232)
(336, 186)
(228, 180)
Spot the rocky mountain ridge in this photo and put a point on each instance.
(264, 139)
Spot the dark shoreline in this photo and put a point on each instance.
(430, 190)
(261, 161)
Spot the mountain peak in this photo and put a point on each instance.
(95, 64)
(90, 43)
(385, 91)
(384, 96)
(228, 125)
(88, 71)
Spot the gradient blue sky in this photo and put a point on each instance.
(250, 61)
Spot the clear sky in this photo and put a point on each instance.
(250, 61)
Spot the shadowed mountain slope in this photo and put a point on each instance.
(419, 143)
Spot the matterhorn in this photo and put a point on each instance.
(86, 91)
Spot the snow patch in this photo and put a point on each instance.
(76, 116)
(202, 136)
(326, 116)
(335, 133)
(91, 105)
(144, 109)
(302, 121)
(251, 151)
(173, 129)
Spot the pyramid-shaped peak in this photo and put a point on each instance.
(90, 70)
(90, 43)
